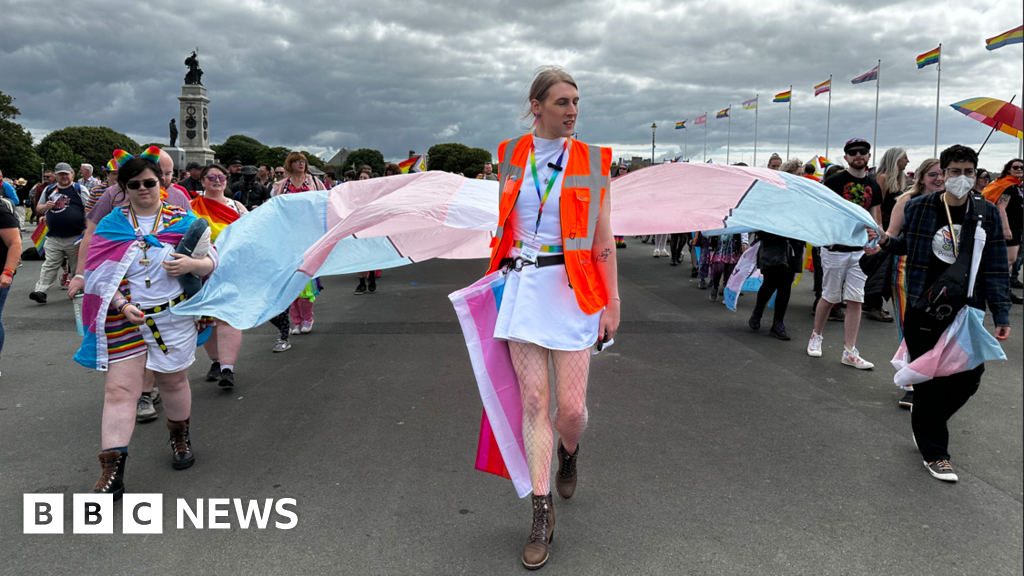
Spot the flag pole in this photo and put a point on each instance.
(878, 85)
(705, 137)
(728, 135)
(789, 127)
(686, 135)
(757, 98)
(938, 87)
(828, 122)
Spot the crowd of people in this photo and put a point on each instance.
(139, 241)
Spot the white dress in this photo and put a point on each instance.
(538, 305)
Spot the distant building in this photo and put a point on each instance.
(340, 158)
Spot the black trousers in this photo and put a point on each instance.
(873, 301)
(819, 272)
(777, 281)
(936, 400)
(283, 324)
(676, 244)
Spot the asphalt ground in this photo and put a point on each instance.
(711, 449)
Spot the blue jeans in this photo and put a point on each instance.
(3, 299)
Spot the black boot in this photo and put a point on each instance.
(361, 289)
(755, 320)
(371, 283)
(181, 445)
(112, 479)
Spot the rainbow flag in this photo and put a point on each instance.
(218, 215)
(680, 124)
(750, 104)
(414, 164)
(39, 236)
(783, 96)
(700, 119)
(825, 86)
(722, 113)
(928, 58)
(866, 77)
(1015, 36)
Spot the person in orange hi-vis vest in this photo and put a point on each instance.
(561, 295)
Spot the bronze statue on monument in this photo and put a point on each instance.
(195, 74)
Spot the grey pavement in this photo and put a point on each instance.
(710, 450)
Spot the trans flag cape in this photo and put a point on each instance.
(500, 448)
(963, 346)
(113, 247)
(216, 213)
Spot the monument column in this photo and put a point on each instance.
(195, 124)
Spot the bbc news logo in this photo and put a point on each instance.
(144, 513)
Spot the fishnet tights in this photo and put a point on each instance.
(571, 371)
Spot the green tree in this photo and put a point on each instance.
(368, 156)
(58, 152)
(454, 157)
(272, 157)
(18, 159)
(244, 147)
(92, 144)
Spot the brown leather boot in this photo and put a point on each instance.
(542, 533)
(181, 445)
(565, 480)
(112, 479)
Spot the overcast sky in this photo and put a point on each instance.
(406, 74)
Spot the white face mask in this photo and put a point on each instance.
(959, 186)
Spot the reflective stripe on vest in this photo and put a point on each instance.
(593, 183)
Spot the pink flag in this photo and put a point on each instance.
(500, 450)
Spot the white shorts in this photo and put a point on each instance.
(179, 335)
(839, 268)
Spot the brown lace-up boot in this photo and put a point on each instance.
(181, 445)
(565, 480)
(112, 479)
(542, 533)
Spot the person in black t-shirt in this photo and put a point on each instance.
(10, 251)
(1011, 205)
(841, 264)
(63, 204)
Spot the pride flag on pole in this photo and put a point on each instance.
(701, 119)
(928, 58)
(722, 113)
(680, 124)
(750, 104)
(866, 77)
(783, 96)
(825, 86)
(1015, 36)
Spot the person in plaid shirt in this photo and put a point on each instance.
(931, 229)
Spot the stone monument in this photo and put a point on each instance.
(195, 135)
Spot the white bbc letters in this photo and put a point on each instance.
(43, 514)
(142, 514)
(92, 513)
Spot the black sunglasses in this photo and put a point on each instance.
(1017, 167)
(858, 152)
(136, 184)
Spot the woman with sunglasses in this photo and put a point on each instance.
(561, 294)
(131, 283)
(220, 211)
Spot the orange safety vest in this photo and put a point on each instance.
(586, 178)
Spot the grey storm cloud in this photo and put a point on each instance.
(403, 75)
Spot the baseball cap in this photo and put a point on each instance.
(63, 168)
(193, 166)
(249, 171)
(856, 143)
(235, 160)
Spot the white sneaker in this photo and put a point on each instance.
(295, 330)
(814, 346)
(657, 253)
(852, 358)
(942, 470)
(307, 327)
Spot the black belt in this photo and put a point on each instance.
(518, 263)
(152, 324)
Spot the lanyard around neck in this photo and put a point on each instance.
(952, 231)
(551, 182)
(135, 221)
